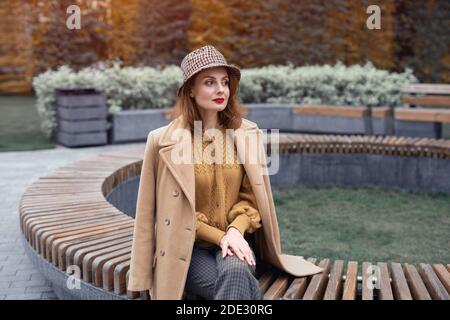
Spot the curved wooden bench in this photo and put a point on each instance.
(67, 223)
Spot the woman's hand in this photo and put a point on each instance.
(233, 239)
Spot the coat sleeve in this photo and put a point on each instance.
(143, 244)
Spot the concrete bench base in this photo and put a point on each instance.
(82, 139)
(129, 126)
(59, 280)
(431, 130)
(364, 170)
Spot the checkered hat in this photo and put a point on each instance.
(203, 58)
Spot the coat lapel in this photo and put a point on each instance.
(184, 174)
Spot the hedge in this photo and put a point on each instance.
(134, 88)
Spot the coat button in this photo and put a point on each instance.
(162, 252)
(167, 222)
(175, 193)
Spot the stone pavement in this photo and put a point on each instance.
(19, 279)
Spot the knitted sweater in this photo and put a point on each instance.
(223, 194)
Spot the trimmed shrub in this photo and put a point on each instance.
(135, 88)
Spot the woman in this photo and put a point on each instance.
(205, 215)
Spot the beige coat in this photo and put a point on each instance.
(164, 231)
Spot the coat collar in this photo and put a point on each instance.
(184, 172)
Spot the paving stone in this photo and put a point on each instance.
(49, 296)
(28, 283)
(39, 289)
(23, 296)
(12, 290)
(7, 272)
(16, 277)
(37, 276)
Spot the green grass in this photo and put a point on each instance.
(19, 125)
(365, 224)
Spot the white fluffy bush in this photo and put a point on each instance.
(132, 88)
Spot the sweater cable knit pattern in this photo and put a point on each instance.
(224, 197)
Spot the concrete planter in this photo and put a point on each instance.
(130, 126)
(330, 119)
(382, 121)
(134, 126)
(81, 115)
(270, 116)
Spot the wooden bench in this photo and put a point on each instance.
(66, 221)
(426, 95)
(421, 122)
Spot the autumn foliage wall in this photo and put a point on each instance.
(34, 36)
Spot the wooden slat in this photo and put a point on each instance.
(426, 115)
(367, 281)
(45, 230)
(85, 258)
(427, 100)
(351, 281)
(427, 88)
(278, 288)
(415, 283)
(335, 281)
(443, 275)
(53, 222)
(318, 282)
(119, 277)
(99, 262)
(108, 270)
(47, 239)
(75, 253)
(434, 286)
(326, 110)
(385, 291)
(64, 222)
(265, 281)
(61, 245)
(298, 286)
(399, 283)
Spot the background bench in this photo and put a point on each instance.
(421, 122)
(426, 95)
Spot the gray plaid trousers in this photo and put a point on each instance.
(215, 278)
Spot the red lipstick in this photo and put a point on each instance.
(219, 100)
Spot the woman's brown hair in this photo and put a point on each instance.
(229, 118)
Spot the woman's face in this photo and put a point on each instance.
(211, 89)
